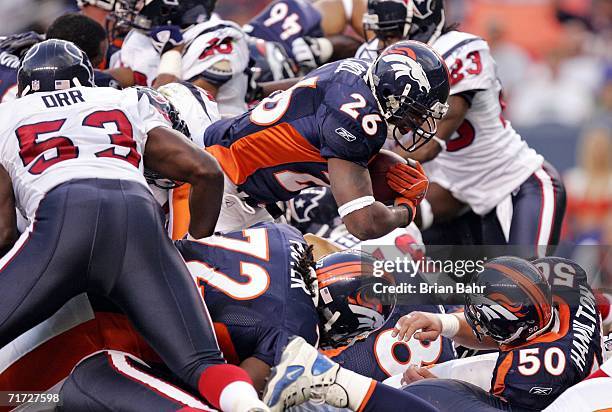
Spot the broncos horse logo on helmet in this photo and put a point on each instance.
(411, 85)
(348, 307)
(146, 14)
(516, 305)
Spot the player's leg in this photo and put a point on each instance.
(117, 381)
(539, 207)
(305, 374)
(449, 395)
(336, 15)
(48, 264)
(157, 293)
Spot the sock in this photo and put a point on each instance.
(358, 387)
(384, 398)
(225, 385)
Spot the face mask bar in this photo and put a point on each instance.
(416, 122)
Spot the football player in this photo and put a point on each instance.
(324, 130)
(329, 304)
(310, 33)
(189, 110)
(183, 40)
(95, 225)
(476, 153)
(543, 319)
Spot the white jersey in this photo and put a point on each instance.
(50, 138)
(216, 50)
(486, 159)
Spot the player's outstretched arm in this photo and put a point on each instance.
(426, 326)
(174, 156)
(8, 219)
(349, 182)
(458, 107)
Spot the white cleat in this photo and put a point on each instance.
(303, 374)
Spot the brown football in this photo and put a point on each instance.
(378, 167)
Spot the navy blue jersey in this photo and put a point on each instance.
(380, 355)
(534, 374)
(281, 146)
(9, 63)
(285, 21)
(250, 286)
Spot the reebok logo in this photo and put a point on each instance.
(345, 134)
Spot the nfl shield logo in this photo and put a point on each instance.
(35, 85)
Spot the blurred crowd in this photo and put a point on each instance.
(554, 59)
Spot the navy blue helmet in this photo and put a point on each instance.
(54, 65)
(388, 18)
(349, 309)
(145, 15)
(411, 85)
(270, 61)
(427, 20)
(516, 304)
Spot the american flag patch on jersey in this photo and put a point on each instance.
(62, 84)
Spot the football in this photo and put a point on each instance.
(378, 167)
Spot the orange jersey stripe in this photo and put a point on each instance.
(253, 152)
(500, 379)
(366, 399)
(179, 211)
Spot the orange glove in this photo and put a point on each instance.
(409, 181)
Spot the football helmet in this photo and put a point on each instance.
(347, 305)
(410, 83)
(428, 20)
(388, 18)
(516, 305)
(108, 5)
(146, 14)
(270, 61)
(167, 109)
(54, 65)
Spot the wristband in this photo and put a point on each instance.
(171, 63)
(427, 216)
(441, 142)
(450, 325)
(355, 204)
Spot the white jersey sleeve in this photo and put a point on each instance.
(50, 138)
(138, 54)
(218, 52)
(486, 159)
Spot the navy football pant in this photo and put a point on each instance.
(450, 395)
(116, 381)
(538, 210)
(107, 237)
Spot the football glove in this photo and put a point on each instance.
(409, 181)
(166, 38)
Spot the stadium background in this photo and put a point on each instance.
(554, 59)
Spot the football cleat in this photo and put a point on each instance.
(304, 374)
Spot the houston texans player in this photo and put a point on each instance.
(476, 153)
(182, 40)
(119, 249)
(310, 33)
(543, 319)
(324, 130)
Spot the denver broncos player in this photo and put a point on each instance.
(310, 32)
(476, 153)
(88, 169)
(543, 319)
(324, 130)
(183, 40)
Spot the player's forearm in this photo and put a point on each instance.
(465, 336)
(8, 218)
(205, 203)
(376, 220)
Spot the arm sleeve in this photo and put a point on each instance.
(217, 56)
